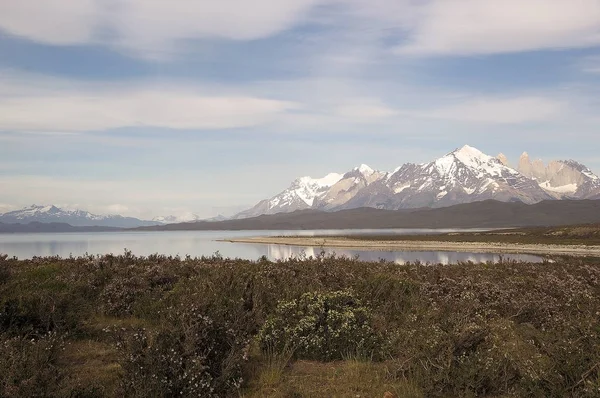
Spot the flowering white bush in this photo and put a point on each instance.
(193, 357)
(322, 326)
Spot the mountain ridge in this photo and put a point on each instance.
(76, 218)
(481, 214)
(464, 175)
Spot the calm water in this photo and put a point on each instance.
(199, 243)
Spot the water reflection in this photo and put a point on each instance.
(204, 243)
(276, 252)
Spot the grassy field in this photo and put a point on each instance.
(588, 234)
(323, 327)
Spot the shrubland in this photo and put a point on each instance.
(122, 325)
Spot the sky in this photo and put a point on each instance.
(164, 107)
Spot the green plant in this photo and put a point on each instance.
(190, 356)
(28, 366)
(322, 326)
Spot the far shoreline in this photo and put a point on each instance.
(417, 245)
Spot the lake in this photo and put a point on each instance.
(205, 243)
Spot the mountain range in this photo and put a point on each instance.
(80, 218)
(75, 218)
(483, 214)
(464, 175)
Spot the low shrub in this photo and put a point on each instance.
(321, 326)
(192, 355)
(28, 366)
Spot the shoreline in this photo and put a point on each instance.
(383, 245)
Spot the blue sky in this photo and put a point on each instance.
(154, 107)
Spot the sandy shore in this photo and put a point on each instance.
(383, 245)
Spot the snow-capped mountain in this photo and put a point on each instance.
(188, 217)
(76, 218)
(301, 194)
(347, 187)
(563, 179)
(462, 176)
(465, 175)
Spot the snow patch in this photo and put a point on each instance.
(305, 189)
(569, 188)
(588, 173)
(401, 188)
(364, 170)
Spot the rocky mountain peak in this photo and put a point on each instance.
(503, 159)
(364, 170)
(562, 179)
(461, 176)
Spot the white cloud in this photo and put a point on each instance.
(59, 22)
(149, 27)
(501, 110)
(157, 28)
(364, 108)
(590, 64)
(5, 208)
(89, 107)
(132, 198)
(491, 26)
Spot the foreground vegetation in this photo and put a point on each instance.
(331, 327)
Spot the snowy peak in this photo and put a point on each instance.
(503, 159)
(364, 170)
(461, 176)
(307, 189)
(581, 168)
(37, 209)
(469, 152)
(475, 159)
(76, 218)
(467, 159)
(187, 217)
(326, 181)
(301, 194)
(562, 179)
(464, 175)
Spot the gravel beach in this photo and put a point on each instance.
(391, 245)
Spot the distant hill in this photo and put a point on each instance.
(78, 218)
(484, 214)
(50, 227)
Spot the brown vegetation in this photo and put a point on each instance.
(165, 326)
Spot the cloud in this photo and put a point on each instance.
(590, 64)
(463, 27)
(157, 28)
(90, 107)
(149, 27)
(5, 208)
(501, 110)
(58, 22)
(364, 108)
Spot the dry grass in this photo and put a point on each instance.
(91, 366)
(350, 378)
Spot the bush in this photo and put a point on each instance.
(321, 326)
(4, 269)
(28, 366)
(192, 356)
